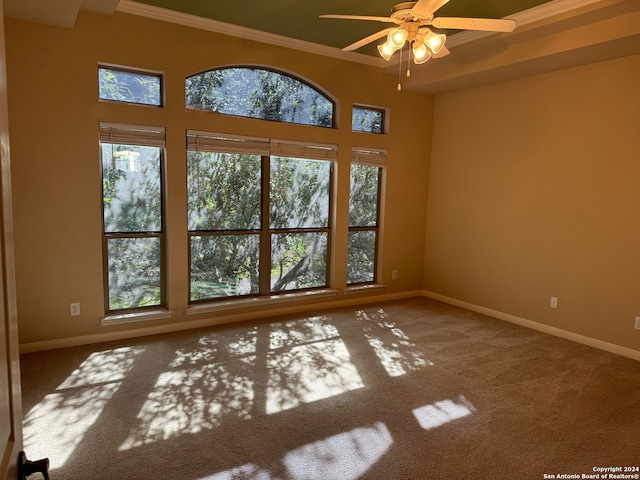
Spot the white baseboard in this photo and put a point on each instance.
(345, 302)
(558, 332)
(351, 300)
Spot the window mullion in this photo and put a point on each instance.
(265, 232)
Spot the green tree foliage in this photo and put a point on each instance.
(298, 260)
(225, 221)
(132, 210)
(134, 272)
(131, 188)
(299, 193)
(130, 87)
(224, 265)
(363, 201)
(367, 120)
(223, 191)
(299, 199)
(258, 93)
(202, 91)
(224, 195)
(363, 222)
(361, 257)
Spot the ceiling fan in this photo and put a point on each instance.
(412, 21)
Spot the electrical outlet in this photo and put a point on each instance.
(394, 275)
(74, 309)
(553, 303)
(637, 323)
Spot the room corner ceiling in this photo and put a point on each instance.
(60, 13)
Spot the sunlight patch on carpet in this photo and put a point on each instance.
(345, 456)
(245, 472)
(307, 362)
(187, 401)
(298, 332)
(397, 354)
(103, 367)
(56, 425)
(445, 411)
(218, 347)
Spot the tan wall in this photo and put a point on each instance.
(54, 115)
(534, 191)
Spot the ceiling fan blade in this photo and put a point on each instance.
(444, 51)
(360, 17)
(486, 24)
(366, 40)
(427, 7)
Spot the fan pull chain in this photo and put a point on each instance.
(409, 61)
(400, 72)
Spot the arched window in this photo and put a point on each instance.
(259, 93)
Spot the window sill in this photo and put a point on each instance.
(373, 287)
(147, 315)
(258, 301)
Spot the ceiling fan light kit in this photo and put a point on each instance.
(424, 43)
(412, 21)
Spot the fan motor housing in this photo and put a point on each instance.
(403, 11)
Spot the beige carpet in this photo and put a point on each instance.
(410, 389)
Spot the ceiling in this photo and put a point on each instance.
(551, 34)
(299, 19)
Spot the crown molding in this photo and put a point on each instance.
(535, 14)
(541, 12)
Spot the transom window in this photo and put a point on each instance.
(259, 93)
(367, 119)
(133, 215)
(129, 86)
(259, 215)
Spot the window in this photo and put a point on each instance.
(129, 86)
(259, 215)
(133, 222)
(364, 215)
(367, 119)
(259, 93)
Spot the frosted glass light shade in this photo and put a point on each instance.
(397, 37)
(386, 50)
(435, 41)
(421, 54)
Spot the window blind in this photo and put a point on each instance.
(365, 156)
(221, 143)
(314, 151)
(124, 134)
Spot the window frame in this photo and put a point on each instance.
(383, 120)
(265, 233)
(373, 158)
(134, 71)
(141, 136)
